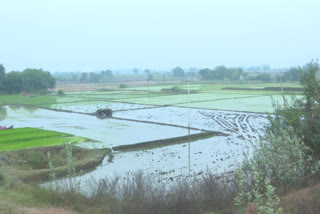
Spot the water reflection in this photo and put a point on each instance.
(108, 132)
(3, 113)
(15, 107)
(30, 109)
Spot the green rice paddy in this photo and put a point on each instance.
(22, 138)
(212, 96)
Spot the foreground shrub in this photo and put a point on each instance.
(283, 159)
(143, 194)
(265, 202)
(303, 114)
(38, 160)
(2, 179)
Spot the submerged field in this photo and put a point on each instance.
(237, 117)
(211, 96)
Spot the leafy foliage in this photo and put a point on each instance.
(282, 159)
(178, 72)
(2, 77)
(13, 82)
(266, 200)
(220, 73)
(30, 80)
(60, 92)
(264, 77)
(34, 80)
(122, 85)
(292, 74)
(303, 115)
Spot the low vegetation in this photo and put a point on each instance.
(21, 138)
(285, 159)
(22, 170)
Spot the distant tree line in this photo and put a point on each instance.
(30, 81)
(291, 75)
(259, 73)
(85, 77)
(224, 73)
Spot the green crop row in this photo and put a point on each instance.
(9, 146)
(22, 138)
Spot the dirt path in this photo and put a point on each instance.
(7, 207)
(46, 211)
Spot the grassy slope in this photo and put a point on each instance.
(21, 178)
(21, 138)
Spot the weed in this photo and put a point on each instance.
(110, 159)
(122, 85)
(60, 92)
(262, 194)
(38, 160)
(2, 179)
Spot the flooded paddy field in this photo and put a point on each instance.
(168, 164)
(150, 117)
(92, 107)
(107, 133)
(238, 124)
(218, 154)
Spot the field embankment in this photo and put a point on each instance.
(24, 164)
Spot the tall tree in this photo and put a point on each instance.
(135, 71)
(292, 74)
(178, 72)
(147, 71)
(205, 74)
(106, 75)
(2, 72)
(83, 77)
(13, 82)
(303, 114)
(94, 77)
(311, 89)
(35, 80)
(2, 79)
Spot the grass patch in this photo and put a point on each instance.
(26, 100)
(21, 138)
(21, 174)
(31, 165)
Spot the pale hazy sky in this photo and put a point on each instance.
(87, 35)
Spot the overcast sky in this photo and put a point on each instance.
(88, 35)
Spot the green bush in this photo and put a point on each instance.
(60, 92)
(38, 160)
(122, 85)
(303, 114)
(2, 179)
(262, 193)
(283, 159)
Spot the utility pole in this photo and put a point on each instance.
(284, 100)
(189, 128)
